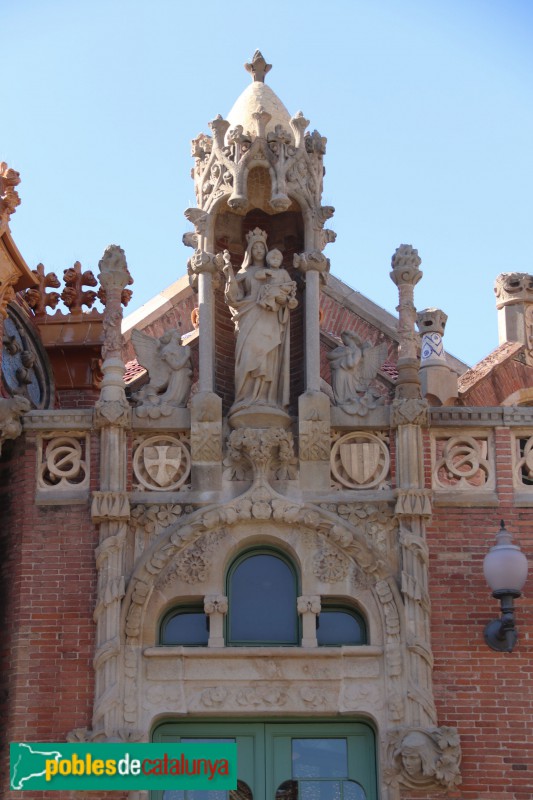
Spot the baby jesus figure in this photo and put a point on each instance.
(278, 289)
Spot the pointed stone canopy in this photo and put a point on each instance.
(258, 96)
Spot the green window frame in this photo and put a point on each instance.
(243, 601)
(200, 625)
(341, 637)
(265, 761)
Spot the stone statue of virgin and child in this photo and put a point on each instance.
(260, 296)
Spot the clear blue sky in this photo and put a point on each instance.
(427, 106)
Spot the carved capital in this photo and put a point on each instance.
(413, 502)
(309, 603)
(110, 506)
(431, 320)
(202, 262)
(405, 266)
(424, 758)
(259, 446)
(112, 412)
(11, 411)
(410, 411)
(311, 262)
(215, 604)
(513, 287)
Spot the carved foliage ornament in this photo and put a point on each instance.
(360, 460)
(424, 758)
(260, 448)
(161, 463)
(9, 199)
(11, 411)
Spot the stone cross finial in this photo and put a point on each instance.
(258, 67)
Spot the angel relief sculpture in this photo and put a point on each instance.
(168, 363)
(260, 296)
(354, 365)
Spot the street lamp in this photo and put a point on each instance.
(505, 568)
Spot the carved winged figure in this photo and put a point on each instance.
(354, 365)
(169, 366)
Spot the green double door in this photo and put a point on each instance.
(287, 761)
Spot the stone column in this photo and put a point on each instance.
(309, 609)
(313, 407)
(110, 506)
(409, 415)
(437, 378)
(216, 608)
(206, 406)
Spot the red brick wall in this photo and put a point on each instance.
(487, 695)
(50, 581)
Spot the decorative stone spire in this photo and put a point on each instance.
(406, 274)
(258, 67)
(439, 381)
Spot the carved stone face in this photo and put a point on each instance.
(412, 763)
(258, 252)
(275, 259)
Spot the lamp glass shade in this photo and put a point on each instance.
(505, 565)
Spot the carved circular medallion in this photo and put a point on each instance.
(162, 463)
(360, 461)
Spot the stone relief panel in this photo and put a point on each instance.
(523, 463)
(63, 467)
(463, 462)
(193, 564)
(161, 463)
(376, 522)
(147, 522)
(421, 758)
(268, 452)
(360, 460)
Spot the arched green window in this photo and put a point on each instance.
(262, 588)
(340, 625)
(185, 625)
